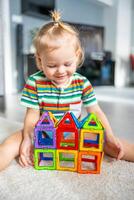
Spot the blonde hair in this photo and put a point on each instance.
(50, 36)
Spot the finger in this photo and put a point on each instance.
(29, 160)
(32, 155)
(120, 155)
(24, 160)
(21, 163)
(121, 152)
(117, 143)
(32, 159)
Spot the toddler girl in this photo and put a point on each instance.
(57, 88)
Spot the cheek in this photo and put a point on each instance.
(48, 72)
(71, 71)
(74, 68)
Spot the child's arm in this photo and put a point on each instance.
(110, 138)
(31, 118)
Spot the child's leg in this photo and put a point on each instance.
(128, 150)
(9, 149)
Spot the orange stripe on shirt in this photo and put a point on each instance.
(60, 105)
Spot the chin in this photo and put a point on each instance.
(61, 80)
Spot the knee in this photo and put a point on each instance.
(13, 139)
(11, 145)
(108, 150)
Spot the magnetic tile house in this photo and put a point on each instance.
(68, 144)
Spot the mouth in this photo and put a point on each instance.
(60, 77)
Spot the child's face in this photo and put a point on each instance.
(60, 64)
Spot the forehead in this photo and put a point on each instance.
(52, 42)
(63, 52)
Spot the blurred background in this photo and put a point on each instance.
(107, 34)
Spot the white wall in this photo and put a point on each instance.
(109, 22)
(123, 43)
(119, 38)
(77, 11)
(9, 84)
(81, 11)
(28, 24)
(132, 33)
(1, 54)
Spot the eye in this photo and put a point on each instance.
(51, 66)
(67, 64)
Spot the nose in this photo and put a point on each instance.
(61, 69)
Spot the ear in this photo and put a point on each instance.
(38, 61)
(78, 54)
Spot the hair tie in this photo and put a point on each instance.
(56, 23)
(56, 17)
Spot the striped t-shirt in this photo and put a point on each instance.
(41, 93)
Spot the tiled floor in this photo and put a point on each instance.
(120, 95)
(118, 104)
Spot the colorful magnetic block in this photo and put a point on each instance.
(45, 137)
(45, 159)
(67, 138)
(89, 162)
(67, 121)
(77, 122)
(46, 120)
(53, 118)
(91, 140)
(91, 122)
(67, 160)
(68, 144)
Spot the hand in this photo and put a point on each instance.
(26, 152)
(114, 144)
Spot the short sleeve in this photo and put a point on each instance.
(29, 97)
(88, 95)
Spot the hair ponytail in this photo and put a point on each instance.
(49, 34)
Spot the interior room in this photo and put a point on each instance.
(106, 31)
(108, 46)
